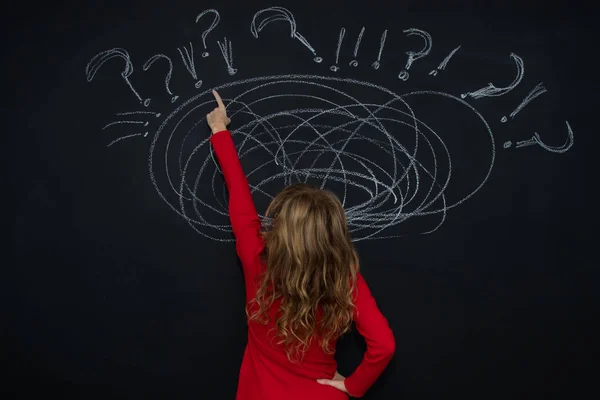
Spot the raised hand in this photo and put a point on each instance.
(217, 119)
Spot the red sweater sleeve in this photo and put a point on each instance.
(381, 345)
(242, 212)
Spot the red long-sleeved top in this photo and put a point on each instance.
(266, 373)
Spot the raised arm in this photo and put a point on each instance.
(242, 212)
(381, 345)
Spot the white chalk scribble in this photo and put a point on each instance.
(364, 150)
(412, 55)
(354, 62)
(491, 90)
(537, 91)
(280, 14)
(336, 67)
(227, 55)
(444, 62)
(536, 140)
(215, 22)
(377, 62)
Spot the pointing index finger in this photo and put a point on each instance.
(218, 98)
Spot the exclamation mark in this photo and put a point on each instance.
(335, 67)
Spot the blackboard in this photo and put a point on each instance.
(460, 136)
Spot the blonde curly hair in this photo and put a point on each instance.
(311, 265)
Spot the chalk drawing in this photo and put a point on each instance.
(444, 62)
(537, 91)
(536, 140)
(188, 61)
(412, 55)
(491, 90)
(125, 137)
(280, 14)
(377, 62)
(140, 112)
(215, 22)
(120, 123)
(397, 184)
(336, 67)
(354, 62)
(99, 59)
(388, 164)
(227, 55)
(151, 61)
(145, 123)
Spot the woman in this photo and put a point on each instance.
(303, 289)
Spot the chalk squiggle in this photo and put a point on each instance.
(536, 140)
(377, 62)
(535, 92)
(492, 91)
(388, 166)
(99, 59)
(280, 14)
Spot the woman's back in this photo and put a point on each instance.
(267, 371)
(303, 289)
(310, 265)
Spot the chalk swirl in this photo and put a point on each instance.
(390, 168)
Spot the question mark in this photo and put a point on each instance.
(281, 14)
(536, 140)
(151, 61)
(210, 28)
(99, 59)
(412, 56)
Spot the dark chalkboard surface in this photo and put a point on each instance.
(460, 139)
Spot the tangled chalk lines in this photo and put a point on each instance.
(397, 167)
(387, 164)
